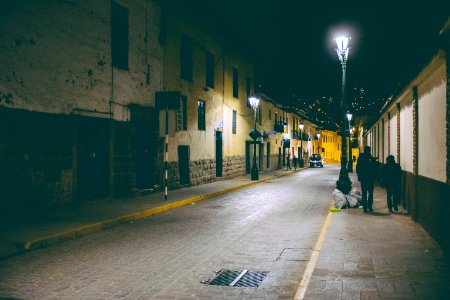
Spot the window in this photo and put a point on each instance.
(182, 115)
(119, 36)
(235, 83)
(209, 70)
(201, 115)
(186, 58)
(270, 114)
(234, 122)
(247, 91)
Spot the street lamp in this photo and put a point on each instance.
(300, 159)
(343, 184)
(254, 101)
(350, 160)
(318, 143)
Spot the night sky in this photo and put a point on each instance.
(390, 42)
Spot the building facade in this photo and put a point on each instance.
(414, 127)
(215, 78)
(77, 86)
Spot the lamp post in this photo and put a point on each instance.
(343, 184)
(319, 150)
(300, 159)
(254, 101)
(350, 160)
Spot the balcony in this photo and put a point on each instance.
(279, 126)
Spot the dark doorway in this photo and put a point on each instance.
(219, 154)
(145, 156)
(249, 155)
(92, 158)
(183, 164)
(268, 156)
(279, 157)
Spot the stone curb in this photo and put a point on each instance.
(91, 228)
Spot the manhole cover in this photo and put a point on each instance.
(243, 278)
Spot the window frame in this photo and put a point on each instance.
(119, 36)
(209, 70)
(235, 83)
(201, 115)
(186, 56)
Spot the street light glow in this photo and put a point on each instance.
(254, 101)
(342, 47)
(349, 116)
(301, 126)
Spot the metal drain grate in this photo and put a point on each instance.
(243, 278)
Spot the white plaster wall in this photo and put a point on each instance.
(386, 137)
(432, 129)
(369, 138)
(393, 134)
(406, 134)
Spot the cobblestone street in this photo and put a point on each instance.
(269, 227)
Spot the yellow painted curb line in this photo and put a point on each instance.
(83, 230)
(300, 294)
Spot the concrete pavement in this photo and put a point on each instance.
(378, 255)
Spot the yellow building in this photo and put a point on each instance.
(215, 79)
(331, 144)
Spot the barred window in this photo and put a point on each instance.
(234, 122)
(201, 115)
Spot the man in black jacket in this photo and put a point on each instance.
(391, 177)
(367, 172)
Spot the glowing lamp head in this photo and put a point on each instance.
(301, 126)
(254, 101)
(349, 116)
(342, 47)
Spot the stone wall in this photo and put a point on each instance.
(233, 166)
(35, 160)
(204, 171)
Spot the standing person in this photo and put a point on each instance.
(288, 163)
(366, 170)
(391, 177)
(294, 162)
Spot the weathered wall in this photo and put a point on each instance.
(56, 56)
(219, 102)
(56, 66)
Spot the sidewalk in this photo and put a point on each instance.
(378, 256)
(22, 234)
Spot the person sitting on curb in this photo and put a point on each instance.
(391, 177)
(366, 170)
